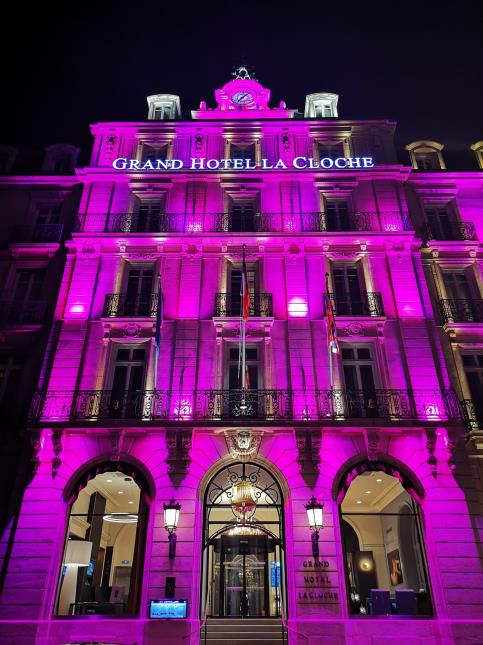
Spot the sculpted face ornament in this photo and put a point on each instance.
(243, 444)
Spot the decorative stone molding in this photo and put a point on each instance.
(372, 438)
(57, 448)
(116, 438)
(243, 443)
(131, 330)
(36, 445)
(178, 443)
(308, 450)
(431, 438)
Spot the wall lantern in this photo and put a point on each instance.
(171, 517)
(315, 517)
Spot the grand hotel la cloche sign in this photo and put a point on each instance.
(200, 163)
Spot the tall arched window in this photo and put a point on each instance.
(243, 567)
(104, 547)
(384, 557)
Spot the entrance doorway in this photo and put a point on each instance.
(243, 559)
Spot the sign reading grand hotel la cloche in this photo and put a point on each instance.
(298, 163)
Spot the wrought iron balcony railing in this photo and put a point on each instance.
(40, 233)
(30, 312)
(120, 305)
(256, 222)
(450, 231)
(460, 311)
(237, 405)
(227, 304)
(367, 304)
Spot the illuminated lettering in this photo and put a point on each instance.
(340, 159)
(280, 164)
(162, 164)
(354, 162)
(313, 163)
(120, 163)
(296, 164)
(148, 165)
(213, 164)
(225, 163)
(326, 162)
(197, 164)
(266, 165)
(176, 164)
(238, 164)
(134, 164)
(367, 162)
(249, 165)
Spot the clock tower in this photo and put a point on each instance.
(242, 97)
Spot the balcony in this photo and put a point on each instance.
(450, 231)
(22, 313)
(257, 222)
(461, 311)
(267, 406)
(120, 305)
(229, 305)
(368, 304)
(38, 234)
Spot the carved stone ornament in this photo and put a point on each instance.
(57, 448)
(431, 460)
(178, 444)
(111, 141)
(243, 444)
(372, 438)
(131, 330)
(354, 329)
(308, 449)
(36, 445)
(116, 437)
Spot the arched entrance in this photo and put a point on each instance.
(243, 555)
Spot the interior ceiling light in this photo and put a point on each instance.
(368, 492)
(121, 518)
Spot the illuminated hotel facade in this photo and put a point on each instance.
(335, 496)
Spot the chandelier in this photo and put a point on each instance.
(243, 501)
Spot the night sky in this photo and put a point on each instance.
(67, 65)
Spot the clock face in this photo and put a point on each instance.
(242, 98)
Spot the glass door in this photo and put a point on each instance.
(348, 293)
(127, 383)
(243, 402)
(244, 576)
(242, 215)
(337, 215)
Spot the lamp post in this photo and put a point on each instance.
(171, 517)
(315, 517)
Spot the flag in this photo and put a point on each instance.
(331, 329)
(247, 378)
(244, 292)
(159, 315)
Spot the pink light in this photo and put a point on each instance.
(194, 227)
(297, 308)
(183, 409)
(77, 309)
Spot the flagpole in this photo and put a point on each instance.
(331, 367)
(157, 334)
(244, 312)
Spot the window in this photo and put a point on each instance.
(153, 153)
(252, 371)
(243, 214)
(101, 570)
(242, 151)
(149, 215)
(163, 112)
(359, 375)
(427, 161)
(62, 164)
(439, 218)
(473, 366)
(48, 214)
(26, 307)
(139, 299)
(126, 382)
(330, 149)
(235, 281)
(426, 155)
(12, 368)
(323, 110)
(337, 215)
(348, 291)
(382, 543)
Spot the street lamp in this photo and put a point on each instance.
(315, 517)
(171, 517)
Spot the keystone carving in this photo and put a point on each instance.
(308, 450)
(372, 439)
(57, 448)
(432, 462)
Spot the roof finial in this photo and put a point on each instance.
(243, 73)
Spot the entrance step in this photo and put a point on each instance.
(238, 631)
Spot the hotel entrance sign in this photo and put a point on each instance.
(203, 164)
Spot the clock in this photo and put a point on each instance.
(242, 97)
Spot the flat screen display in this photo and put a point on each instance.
(168, 609)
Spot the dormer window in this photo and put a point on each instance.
(321, 105)
(426, 155)
(330, 149)
(478, 150)
(7, 158)
(60, 159)
(163, 107)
